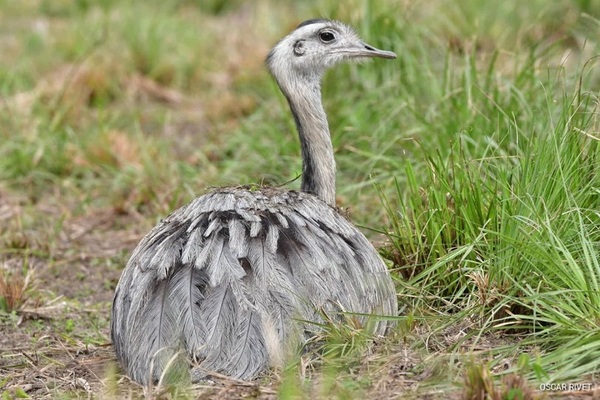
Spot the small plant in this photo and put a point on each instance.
(13, 288)
(479, 384)
(343, 338)
(17, 393)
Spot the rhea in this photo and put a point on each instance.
(239, 278)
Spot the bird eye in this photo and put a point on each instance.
(326, 36)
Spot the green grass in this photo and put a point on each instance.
(475, 154)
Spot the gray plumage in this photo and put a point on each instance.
(235, 280)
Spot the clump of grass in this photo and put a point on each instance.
(342, 339)
(13, 291)
(334, 357)
(501, 224)
(479, 384)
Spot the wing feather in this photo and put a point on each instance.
(249, 355)
(238, 238)
(187, 292)
(219, 311)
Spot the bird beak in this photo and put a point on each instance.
(358, 49)
(363, 50)
(370, 51)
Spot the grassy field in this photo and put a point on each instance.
(472, 161)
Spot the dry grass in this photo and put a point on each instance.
(12, 291)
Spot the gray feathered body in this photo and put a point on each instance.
(232, 278)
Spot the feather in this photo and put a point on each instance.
(219, 262)
(211, 247)
(261, 261)
(155, 335)
(214, 225)
(249, 354)
(282, 220)
(188, 288)
(255, 228)
(193, 246)
(219, 313)
(248, 215)
(237, 238)
(272, 237)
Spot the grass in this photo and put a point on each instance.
(472, 160)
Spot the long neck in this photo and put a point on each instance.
(318, 162)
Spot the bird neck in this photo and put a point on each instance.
(318, 162)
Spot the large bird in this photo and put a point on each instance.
(237, 279)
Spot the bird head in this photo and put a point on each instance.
(315, 46)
